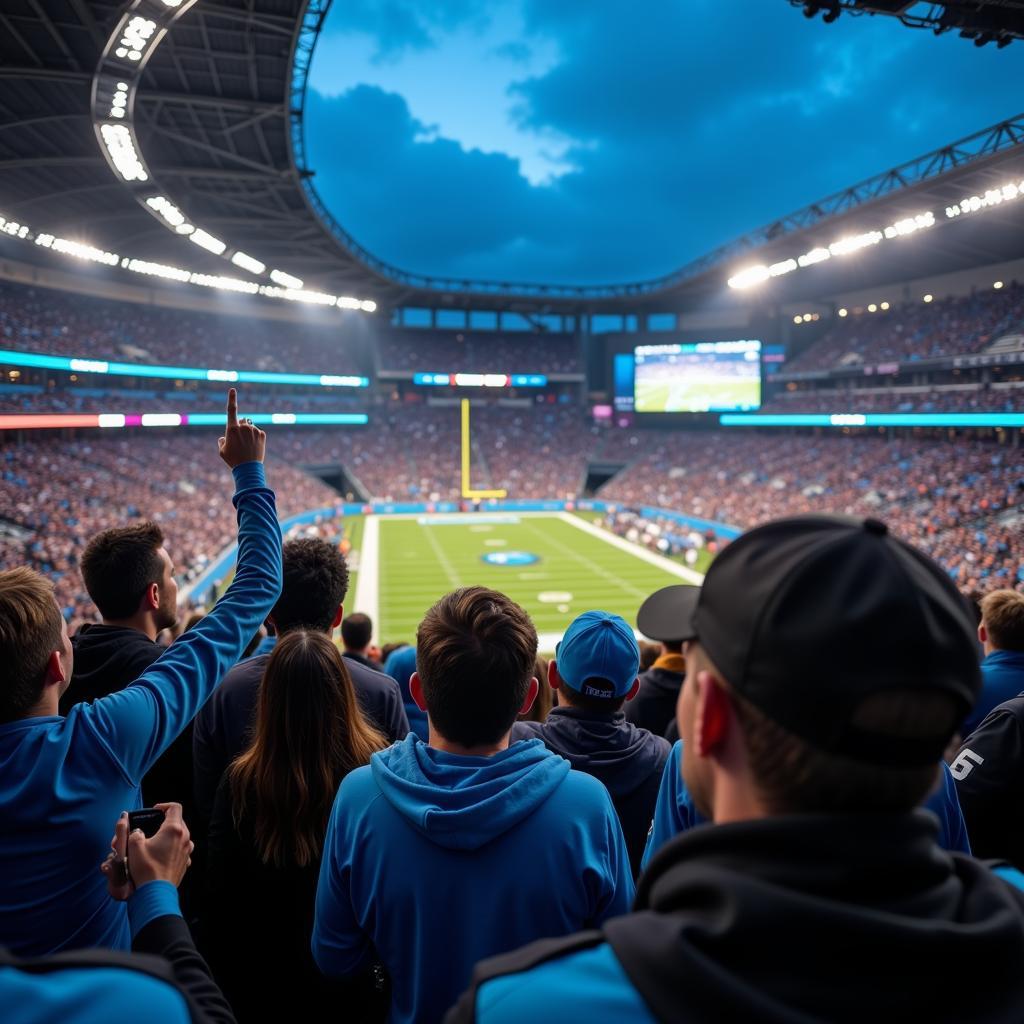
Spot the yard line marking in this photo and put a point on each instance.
(583, 560)
(367, 596)
(449, 569)
(634, 549)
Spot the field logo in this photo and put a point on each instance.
(517, 558)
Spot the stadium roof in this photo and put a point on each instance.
(214, 106)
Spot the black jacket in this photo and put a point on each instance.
(629, 761)
(107, 659)
(163, 950)
(258, 922)
(989, 773)
(654, 706)
(221, 729)
(807, 919)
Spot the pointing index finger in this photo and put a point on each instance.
(232, 408)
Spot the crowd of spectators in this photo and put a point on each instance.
(972, 399)
(915, 331)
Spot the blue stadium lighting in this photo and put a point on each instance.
(77, 365)
(896, 419)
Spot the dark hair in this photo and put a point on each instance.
(308, 734)
(587, 701)
(119, 565)
(475, 653)
(314, 583)
(541, 707)
(649, 654)
(388, 649)
(30, 631)
(356, 631)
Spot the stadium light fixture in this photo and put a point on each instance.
(928, 297)
(206, 241)
(843, 312)
(997, 285)
(798, 319)
(117, 138)
(872, 308)
(818, 255)
(240, 259)
(884, 305)
(135, 37)
(286, 280)
(750, 276)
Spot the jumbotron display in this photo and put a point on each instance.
(704, 376)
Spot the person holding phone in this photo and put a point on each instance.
(170, 985)
(63, 778)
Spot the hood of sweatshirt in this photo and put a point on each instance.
(107, 659)
(462, 803)
(606, 746)
(826, 917)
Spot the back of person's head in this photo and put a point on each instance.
(649, 654)
(845, 656)
(388, 649)
(30, 631)
(120, 565)
(309, 732)
(597, 661)
(541, 707)
(356, 631)
(1002, 615)
(475, 653)
(400, 665)
(314, 584)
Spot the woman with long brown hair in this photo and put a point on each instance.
(267, 831)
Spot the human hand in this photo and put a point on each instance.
(242, 442)
(164, 857)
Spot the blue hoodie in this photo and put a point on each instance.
(400, 666)
(675, 811)
(434, 861)
(1002, 678)
(65, 781)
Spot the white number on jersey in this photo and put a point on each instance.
(964, 764)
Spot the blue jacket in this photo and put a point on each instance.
(400, 666)
(675, 812)
(434, 861)
(1002, 678)
(65, 781)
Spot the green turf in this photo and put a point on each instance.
(419, 563)
(704, 557)
(694, 396)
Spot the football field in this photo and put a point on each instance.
(554, 565)
(698, 395)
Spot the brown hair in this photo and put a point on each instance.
(309, 733)
(475, 652)
(119, 565)
(541, 707)
(1002, 614)
(30, 631)
(794, 777)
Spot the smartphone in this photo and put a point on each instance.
(149, 819)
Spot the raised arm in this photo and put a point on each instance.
(138, 723)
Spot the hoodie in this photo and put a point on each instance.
(1002, 679)
(435, 861)
(400, 666)
(789, 920)
(629, 761)
(65, 780)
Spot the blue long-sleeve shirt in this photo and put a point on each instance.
(65, 781)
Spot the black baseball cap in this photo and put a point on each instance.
(668, 614)
(806, 617)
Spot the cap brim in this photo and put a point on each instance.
(667, 614)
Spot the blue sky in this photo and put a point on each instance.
(581, 142)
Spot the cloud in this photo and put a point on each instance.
(688, 126)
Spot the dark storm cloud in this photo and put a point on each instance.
(691, 126)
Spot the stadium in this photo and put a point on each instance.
(573, 446)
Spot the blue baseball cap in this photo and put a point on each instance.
(599, 645)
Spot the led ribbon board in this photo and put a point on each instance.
(482, 380)
(871, 419)
(118, 420)
(10, 357)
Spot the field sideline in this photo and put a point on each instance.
(554, 565)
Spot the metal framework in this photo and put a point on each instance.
(217, 113)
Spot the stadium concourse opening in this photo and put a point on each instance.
(368, 615)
